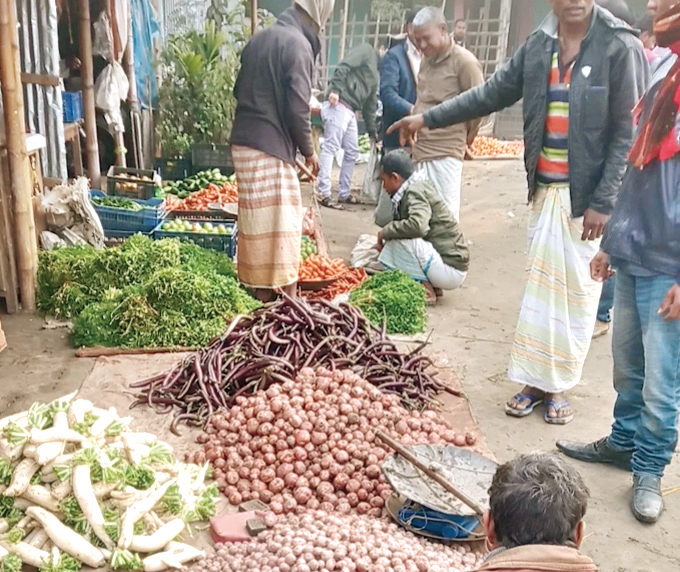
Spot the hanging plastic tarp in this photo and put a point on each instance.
(145, 30)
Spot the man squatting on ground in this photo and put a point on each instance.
(423, 238)
(577, 77)
(642, 243)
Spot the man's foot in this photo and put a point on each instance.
(349, 200)
(647, 503)
(598, 452)
(430, 294)
(601, 329)
(558, 411)
(439, 292)
(524, 402)
(329, 204)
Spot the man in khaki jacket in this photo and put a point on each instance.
(446, 71)
(535, 520)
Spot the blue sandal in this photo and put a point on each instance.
(533, 400)
(550, 403)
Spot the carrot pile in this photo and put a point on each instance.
(492, 147)
(318, 267)
(201, 200)
(353, 278)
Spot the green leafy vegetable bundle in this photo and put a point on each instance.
(143, 293)
(395, 299)
(117, 203)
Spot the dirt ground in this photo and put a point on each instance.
(474, 327)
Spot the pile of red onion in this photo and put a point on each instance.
(311, 444)
(321, 542)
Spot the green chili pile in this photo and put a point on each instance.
(142, 293)
(395, 299)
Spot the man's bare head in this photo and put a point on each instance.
(430, 31)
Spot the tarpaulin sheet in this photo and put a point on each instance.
(145, 30)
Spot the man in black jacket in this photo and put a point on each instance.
(274, 90)
(642, 243)
(577, 77)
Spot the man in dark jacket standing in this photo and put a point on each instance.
(576, 75)
(399, 81)
(274, 90)
(642, 243)
(352, 89)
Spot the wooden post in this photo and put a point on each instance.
(87, 75)
(17, 157)
(343, 30)
(377, 32)
(253, 16)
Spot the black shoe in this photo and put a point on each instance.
(647, 503)
(598, 452)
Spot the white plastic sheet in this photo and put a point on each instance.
(111, 88)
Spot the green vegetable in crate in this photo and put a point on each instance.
(125, 204)
(180, 226)
(192, 184)
(364, 144)
(395, 299)
(307, 247)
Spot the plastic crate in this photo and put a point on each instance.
(73, 106)
(126, 182)
(115, 237)
(173, 169)
(201, 216)
(226, 243)
(114, 219)
(206, 156)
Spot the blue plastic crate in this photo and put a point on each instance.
(226, 243)
(114, 219)
(73, 106)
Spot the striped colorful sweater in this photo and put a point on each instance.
(553, 163)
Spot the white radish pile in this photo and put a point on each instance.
(321, 542)
(77, 487)
(311, 444)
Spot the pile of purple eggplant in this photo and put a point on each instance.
(271, 346)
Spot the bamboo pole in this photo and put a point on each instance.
(343, 30)
(253, 16)
(87, 75)
(17, 157)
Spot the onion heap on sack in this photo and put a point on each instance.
(311, 444)
(321, 542)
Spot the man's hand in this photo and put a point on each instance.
(670, 307)
(599, 267)
(380, 242)
(594, 224)
(312, 163)
(333, 98)
(408, 128)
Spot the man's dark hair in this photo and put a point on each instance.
(460, 20)
(537, 499)
(618, 8)
(646, 23)
(399, 162)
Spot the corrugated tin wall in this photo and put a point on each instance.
(40, 55)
